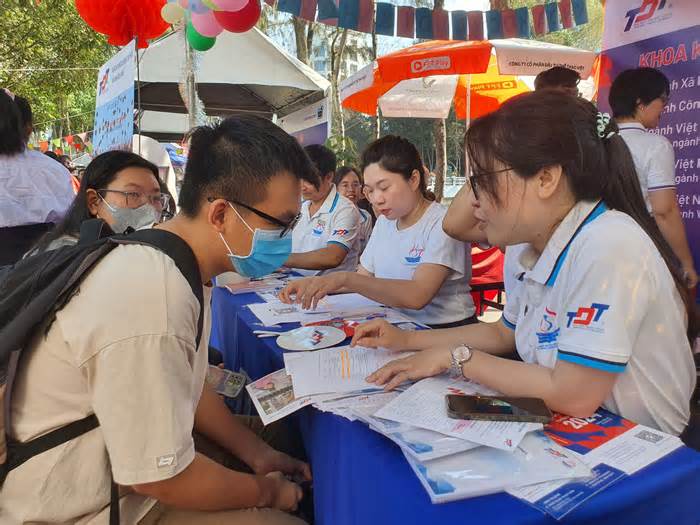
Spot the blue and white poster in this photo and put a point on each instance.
(309, 125)
(663, 34)
(114, 107)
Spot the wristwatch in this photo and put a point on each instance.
(460, 355)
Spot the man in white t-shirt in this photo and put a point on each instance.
(326, 237)
(124, 350)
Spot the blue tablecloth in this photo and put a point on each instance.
(361, 478)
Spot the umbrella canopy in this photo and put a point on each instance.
(425, 79)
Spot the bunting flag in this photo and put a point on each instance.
(406, 22)
(386, 15)
(538, 19)
(271, 3)
(459, 25)
(552, 12)
(475, 22)
(44, 146)
(348, 14)
(308, 10)
(509, 23)
(293, 7)
(424, 23)
(567, 22)
(366, 18)
(522, 16)
(441, 25)
(580, 11)
(328, 12)
(494, 25)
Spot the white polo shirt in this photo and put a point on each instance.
(396, 254)
(653, 158)
(365, 229)
(601, 296)
(335, 222)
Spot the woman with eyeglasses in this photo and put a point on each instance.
(598, 312)
(119, 187)
(638, 97)
(349, 183)
(409, 262)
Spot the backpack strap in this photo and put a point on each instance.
(181, 253)
(92, 230)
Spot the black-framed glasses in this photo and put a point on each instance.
(136, 199)
(474, 177)
(286, 226)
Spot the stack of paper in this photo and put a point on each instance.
(613, 447)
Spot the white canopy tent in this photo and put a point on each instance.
(242, 73)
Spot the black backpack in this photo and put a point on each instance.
(34, 289)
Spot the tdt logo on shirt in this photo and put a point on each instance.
(414, 255)
(587, 317)
(548, 332)
(341, 232)
(319, 227)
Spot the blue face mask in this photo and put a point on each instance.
(268, 252)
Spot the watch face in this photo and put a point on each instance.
(461, 353)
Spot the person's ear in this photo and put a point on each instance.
(414, 181)
(547, 181)
(216, 214)
(92, 201)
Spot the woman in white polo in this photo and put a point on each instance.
(409, 262)
(599, 313)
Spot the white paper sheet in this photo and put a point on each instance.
(487, 470)
(423, 406)
(334, 370)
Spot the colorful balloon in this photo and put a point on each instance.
(197, 41)
(206, 24)
(211, 5)
(172, 13)
(242, 20)
(230, 5)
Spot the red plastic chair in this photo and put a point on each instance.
(487, 278)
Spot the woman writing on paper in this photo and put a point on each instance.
(600, 314)
(409, 262)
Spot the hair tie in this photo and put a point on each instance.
(602, 123)
(9, 93)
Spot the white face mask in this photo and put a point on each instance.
(140, 218)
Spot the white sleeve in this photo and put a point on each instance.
(661, 174)
(608, 291)
(444, 250)
(367, 256)
(344, 227)
(511, 310)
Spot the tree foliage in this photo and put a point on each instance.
(50, 56)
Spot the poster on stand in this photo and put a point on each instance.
(310, 125)
(114, 107)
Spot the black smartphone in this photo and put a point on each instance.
(495, 408)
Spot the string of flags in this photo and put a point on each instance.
(438, 24)
(69, 144)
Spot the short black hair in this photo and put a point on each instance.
(52, 155)
(557, 76)
(12, 136)
(341, 172)
(323, 158)
(632, 86)
(25, 110)
(236, 158)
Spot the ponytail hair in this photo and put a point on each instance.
(547, 128)
(397, 155)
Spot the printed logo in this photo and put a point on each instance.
(415, 255)
(341, 232)
(320, 226)
(587, 317)
(643, 13)
(430, 64)
(548, 332)
(104, 81)
(165, 461)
